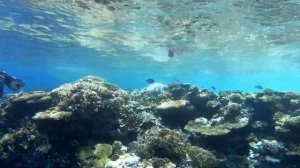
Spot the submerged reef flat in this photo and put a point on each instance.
(92, 123)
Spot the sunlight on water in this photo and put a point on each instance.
(231, 28)
(207, 37)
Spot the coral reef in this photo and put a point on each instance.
(91, 123)
(125, 160)
(172, 145)
(265, 151)
(94, 109)
(173, 110)
(97, 158)
(16, 108)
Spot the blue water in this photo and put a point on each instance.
(46, 64)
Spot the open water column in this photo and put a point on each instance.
(141, 84)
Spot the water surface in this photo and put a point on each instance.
(228, 44)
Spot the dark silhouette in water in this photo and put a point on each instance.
(150, 81)
(11, 82)
(170, 53)
(213, 88)
(259, 87)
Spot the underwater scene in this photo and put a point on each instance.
(149, 83)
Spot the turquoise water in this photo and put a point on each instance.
(229, 44)
(65, 118)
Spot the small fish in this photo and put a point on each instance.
(176, 80)
(150, 81)
(170, 54)
(213, 88)
(258, 87)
